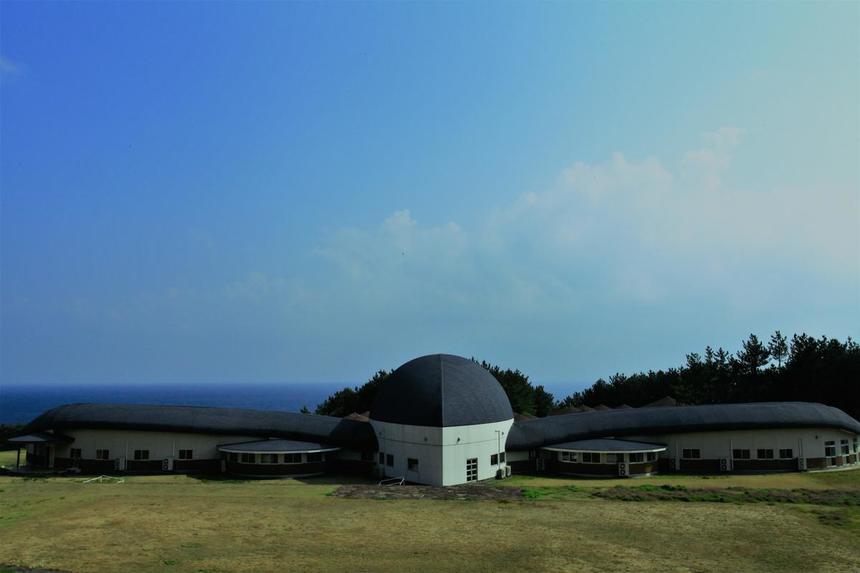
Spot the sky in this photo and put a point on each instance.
(310, 192)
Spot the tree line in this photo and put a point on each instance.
(802, 368)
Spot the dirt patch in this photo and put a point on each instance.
(458, 492)
(731, 495)
(17, 569)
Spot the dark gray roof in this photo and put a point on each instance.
(607, 445)
(204, 420)
(531, 434)
(276, 446)
(41, 438)
(441, 390)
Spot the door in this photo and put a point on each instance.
(472, 469)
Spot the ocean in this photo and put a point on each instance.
(22, 403)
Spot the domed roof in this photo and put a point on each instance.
(441, 390)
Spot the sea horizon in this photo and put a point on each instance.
(21, 403)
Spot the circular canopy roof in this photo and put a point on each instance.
(275, 447)
(606, 445)
(441, 390)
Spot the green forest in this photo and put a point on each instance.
(800, 368)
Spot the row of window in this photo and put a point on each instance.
(594, 457)
(844, 448)
(742, 454)
(104, 454)
(274, 458)
(412, 463)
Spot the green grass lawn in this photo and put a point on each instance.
(7, 458)
(177, 523)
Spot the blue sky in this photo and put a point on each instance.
(310, 192)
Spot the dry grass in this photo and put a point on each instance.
(845, 479)
(175, 523)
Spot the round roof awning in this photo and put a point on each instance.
(606, 445)
(275, 447)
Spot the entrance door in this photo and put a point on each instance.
(472, 469)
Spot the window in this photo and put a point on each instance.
(389, 460)
(315, 457)
(651, 457)
(102, 454)
(829, 449)
(141, 454)
(247, 458)
(494, 460)
(637, 458)
(786, 454)
(691, 454)
(614, 458)
(502, 457)
(292, 458)
(564, 456)
(472, 469)
(412, 464)
(268, 458)
(367, 456)
(75, 453)
(845, 449)
(186, 454)
(232, 457)
(381, 458)
(590, 458)
(764, 454)
(856, 443)
(741, 454)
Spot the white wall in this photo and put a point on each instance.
(441, 452)
(805, 442)
(161, 445)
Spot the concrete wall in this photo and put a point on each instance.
(161, 445)
(804, 442)
(441, 452)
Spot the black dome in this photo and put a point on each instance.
(441, 390)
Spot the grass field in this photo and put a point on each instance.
(177, 523)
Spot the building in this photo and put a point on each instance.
(443, 420)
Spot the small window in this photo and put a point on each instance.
(741, 454)
(494, 460)
(412, 464)
(292, 458)
(845, 449)
(314, 457)
(691, 454)
(75, 453)
(614, 458)
(389, 460)
(141, 454)
(564, 456)
(102, 454)
(186, 454)
(502, 457)
(247, 459)
(590, 458)
(637, 458)
(856, 445)
(268, 458)
(764, 454)
(651, 457)
(786, 454)
(381, 458)
(829, 449)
